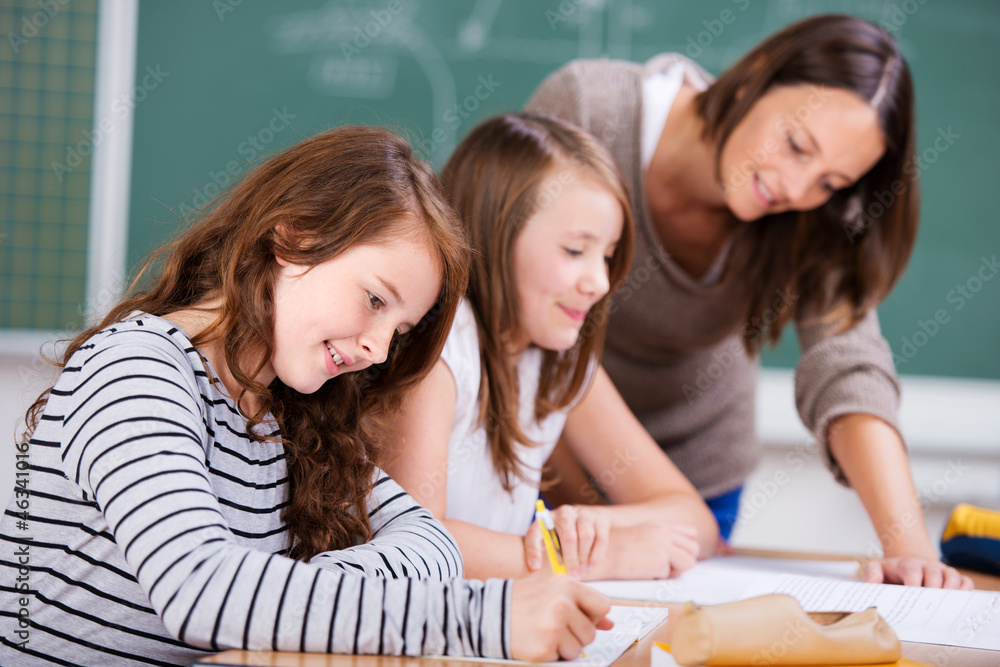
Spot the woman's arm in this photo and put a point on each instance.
(873, 458)
(649, 495)
(847, 393)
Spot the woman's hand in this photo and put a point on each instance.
(915, 571)
(583, 536)
(554, 616)
(650, 550)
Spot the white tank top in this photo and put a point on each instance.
(475, 493)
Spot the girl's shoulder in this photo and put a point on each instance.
(463, 338)
(461, 350)
(139, 329)
(138, 340)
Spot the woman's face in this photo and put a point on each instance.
(340, 315)
(795, 147)
(561, 257)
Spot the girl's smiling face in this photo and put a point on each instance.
(795, 147)
(340, 315)
(560, 259)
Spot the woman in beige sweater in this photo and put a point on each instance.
(784, 191)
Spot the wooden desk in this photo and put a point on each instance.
(636, 656)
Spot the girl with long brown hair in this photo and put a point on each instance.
(548, 216)
(783, 192)
(203, 474)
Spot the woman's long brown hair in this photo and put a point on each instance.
(844, 257)
(345, 186)
(495, 182)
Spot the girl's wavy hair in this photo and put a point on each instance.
(844, 257)
(343, 187)
(495, 182)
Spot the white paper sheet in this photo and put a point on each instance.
(631, 625)
(924, 615)
(722, 579)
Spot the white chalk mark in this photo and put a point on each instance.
(473, 32)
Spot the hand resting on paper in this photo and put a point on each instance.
(915, 571)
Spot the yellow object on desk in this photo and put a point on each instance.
(549, 537)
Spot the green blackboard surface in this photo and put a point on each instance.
(231, 81)
(47, 69)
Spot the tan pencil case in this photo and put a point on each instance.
(774, 630)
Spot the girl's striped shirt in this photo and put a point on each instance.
(145, 528)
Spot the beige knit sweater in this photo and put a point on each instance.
(674, 348)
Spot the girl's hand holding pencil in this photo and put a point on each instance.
(554, 617)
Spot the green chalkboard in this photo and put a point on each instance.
(47, 69)
(237, 80)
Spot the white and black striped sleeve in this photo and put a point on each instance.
(407, 541)
(136, 445)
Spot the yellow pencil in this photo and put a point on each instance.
(550, 538)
